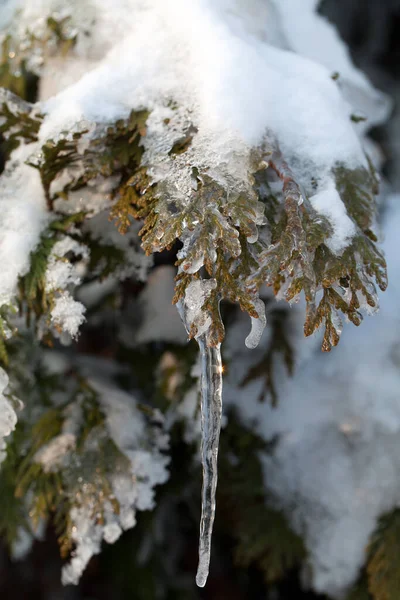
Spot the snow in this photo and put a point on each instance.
(196, 54)
(328, 203)
(311, 35)
(52, 455)
(7, 11)
(133, 473)
(61, 273)
(62, 276)
(126, 426)
(68, 314)
(87, 537)
(135, 262)
(22, 545)
(188, 411)
(23, 217)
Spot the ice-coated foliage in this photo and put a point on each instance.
(215, 132)
(258, 183)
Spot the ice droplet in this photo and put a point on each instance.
(257, 325)
(211, 412)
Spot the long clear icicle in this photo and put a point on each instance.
(211, 412)
(191, 311)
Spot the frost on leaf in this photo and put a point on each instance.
(45, 289)
(90, 464)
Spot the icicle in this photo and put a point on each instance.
(190, 310)
(211, 411)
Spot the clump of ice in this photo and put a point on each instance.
(191, 306)
(257, 325)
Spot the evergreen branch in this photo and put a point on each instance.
(299, 259)
(18, 124)
(223, 232)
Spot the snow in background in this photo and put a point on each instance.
(160, 319)
(312, 35)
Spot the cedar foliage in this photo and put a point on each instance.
(290, 256)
